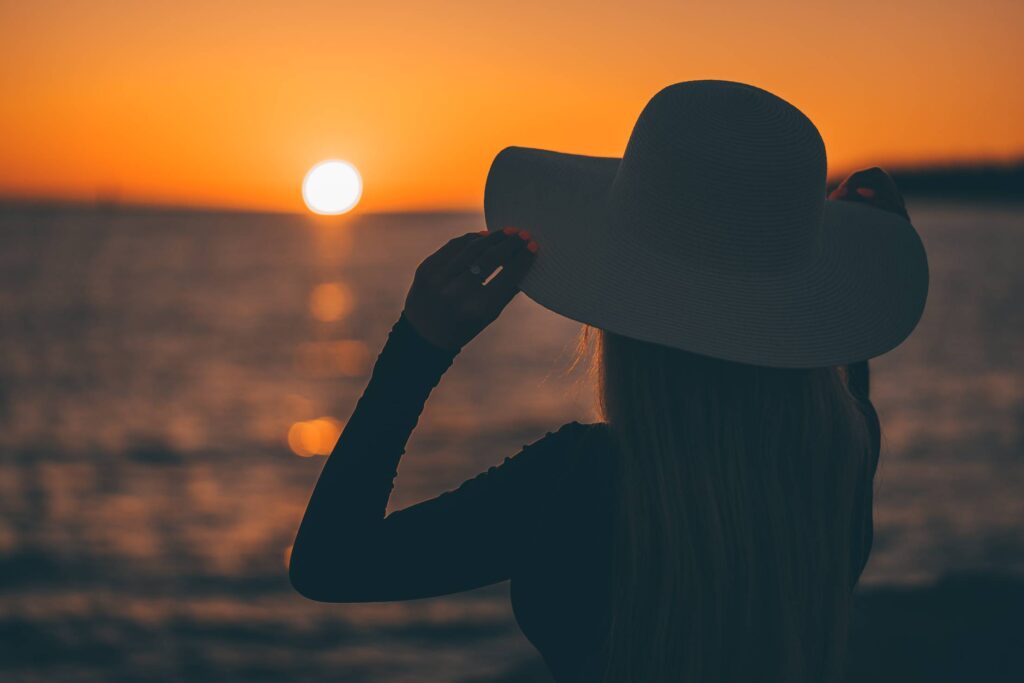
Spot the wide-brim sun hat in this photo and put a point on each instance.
(712, 234)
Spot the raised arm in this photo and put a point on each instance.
(345, 549)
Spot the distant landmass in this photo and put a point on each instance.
(960, 181)
(957, 181)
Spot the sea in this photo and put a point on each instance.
(170, 381)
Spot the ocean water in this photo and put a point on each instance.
(167, 380)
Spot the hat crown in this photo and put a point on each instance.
(726, 175)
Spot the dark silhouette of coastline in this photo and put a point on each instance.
(964, 181)
(961, 182)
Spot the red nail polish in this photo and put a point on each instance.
(524, 234)
(482, 232)
(866, 192)
(532, 246)
(509, 231)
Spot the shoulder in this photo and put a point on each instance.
(572, 436)
(576, 450)
(581, 430)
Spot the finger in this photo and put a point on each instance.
(449, 249)
(868, 197)
(505, 285)
(498, 255)
(470, 253)
(875, 176)
(840, 192)
(873, 187)
(873, 183)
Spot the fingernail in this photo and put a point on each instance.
(866, 192)
(525, 234)
(509, 231)
(482, 232)
(532, 246)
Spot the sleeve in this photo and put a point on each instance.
(347, 550)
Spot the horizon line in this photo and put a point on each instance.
(113, 205)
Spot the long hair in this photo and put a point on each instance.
(736, 491)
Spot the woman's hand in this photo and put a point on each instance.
(448, 304)
(875, 187)
(872, 186)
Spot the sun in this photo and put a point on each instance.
(332, 187)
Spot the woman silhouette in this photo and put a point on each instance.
(712, 525)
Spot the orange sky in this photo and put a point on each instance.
(229, 103)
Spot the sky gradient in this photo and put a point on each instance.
(228, 104)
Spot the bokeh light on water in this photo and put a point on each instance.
(314, 437)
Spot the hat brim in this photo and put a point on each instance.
(860, 298)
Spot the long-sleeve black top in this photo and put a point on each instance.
(540, 518)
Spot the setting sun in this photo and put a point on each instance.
(332, 187)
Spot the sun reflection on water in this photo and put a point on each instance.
(331, 301)
(342, 358)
